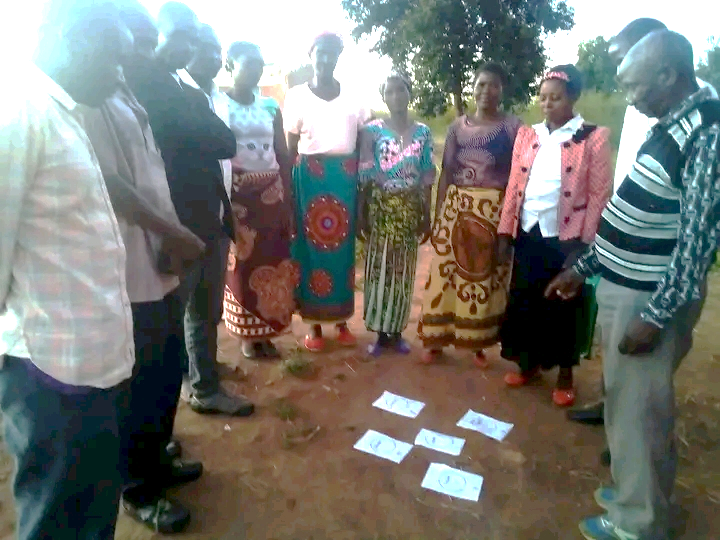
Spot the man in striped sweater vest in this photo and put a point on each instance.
(656, 241)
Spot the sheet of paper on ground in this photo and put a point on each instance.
(440, 442)
(453, 482)
(495, 429)
(383, 446)
(399, 405)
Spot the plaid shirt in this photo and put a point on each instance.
(63, 303)
(694, 183)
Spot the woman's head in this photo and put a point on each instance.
(396, 92)
(490, 80)
(559, 91)
(324, 53)
(245, 63)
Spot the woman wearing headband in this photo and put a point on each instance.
(322, 119)
(466, 292)
(560, 182)
(396, 174)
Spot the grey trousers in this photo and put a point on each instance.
(640, 411)
(202, 290)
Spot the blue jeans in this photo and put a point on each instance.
(202, 290)
(67, 451)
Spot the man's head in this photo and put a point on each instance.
(324, 53)
(82, 46)
(178, 35)
(630, 35)
(207, 61)
(658, 73)
(142, 26)
(246, 64)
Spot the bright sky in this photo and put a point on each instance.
(284, 29)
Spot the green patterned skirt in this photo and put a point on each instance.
(391, 259)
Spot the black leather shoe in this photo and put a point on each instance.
(173, 449)
(593, 415)
(182, 472)
(605, 457)
(162, 515)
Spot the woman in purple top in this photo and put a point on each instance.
(466, 291)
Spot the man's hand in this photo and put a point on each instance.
(565, 286)
(640, 337)
(178, 251)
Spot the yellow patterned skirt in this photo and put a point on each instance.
(466, 292)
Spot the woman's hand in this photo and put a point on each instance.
(565, 286)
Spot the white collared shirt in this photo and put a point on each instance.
(219, 103)
(63, 299)
(635, 129)
(542, 193)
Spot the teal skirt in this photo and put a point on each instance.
(586, 328)
(325, 191)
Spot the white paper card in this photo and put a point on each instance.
(440, 442)
(495, 429)
(399, 405)
(453, 482)
(379, 444)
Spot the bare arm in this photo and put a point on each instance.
(293, 140)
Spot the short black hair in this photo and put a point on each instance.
(672, 50)
(334, 39)
(241, 48)
(175, 11)
(492, 67)
(572, 79)
(638, 29)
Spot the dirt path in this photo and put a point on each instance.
(538, 483)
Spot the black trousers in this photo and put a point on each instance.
(148, 414)
(538, 332)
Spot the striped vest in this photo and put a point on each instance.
(638, 229)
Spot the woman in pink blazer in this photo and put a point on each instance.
(559, 184)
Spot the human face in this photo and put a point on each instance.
(488, 91)
(94, 64)
(396, 96)
(177, 42)
(146, 41)
(324, 59)
(646, 87)
(247, 69)
(555, 104)
(207, 61)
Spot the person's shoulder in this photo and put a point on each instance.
(268, 103)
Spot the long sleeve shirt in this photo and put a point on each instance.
(660, 230)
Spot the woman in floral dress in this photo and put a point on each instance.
(396, 176)
(261, 277)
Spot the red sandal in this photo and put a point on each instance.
(515, 379)
(480, 360)
(563, 397)
(314, 344)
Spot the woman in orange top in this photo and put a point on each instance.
(559, 184)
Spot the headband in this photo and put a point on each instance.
(559, 75)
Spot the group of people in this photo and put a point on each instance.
(142, 206)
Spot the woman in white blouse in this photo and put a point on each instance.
(322, 121)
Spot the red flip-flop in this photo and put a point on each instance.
(314, 344)
(563, 397)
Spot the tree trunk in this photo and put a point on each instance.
(458, 99)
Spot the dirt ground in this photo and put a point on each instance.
(272, 478)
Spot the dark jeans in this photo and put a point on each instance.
(148, 414)
(67, 450)
(538, 332)
(202, 290)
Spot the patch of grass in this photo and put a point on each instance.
(285, 410)
(297, 364)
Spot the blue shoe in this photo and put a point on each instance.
(605, 496)
(601, 528)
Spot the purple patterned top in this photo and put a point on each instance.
(480, 156)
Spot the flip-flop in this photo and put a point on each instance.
(402, 346)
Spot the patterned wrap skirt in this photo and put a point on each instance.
(391, 259)
(261, 277)
(466, 292)
(325, 188)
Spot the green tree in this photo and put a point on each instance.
(441, 42)
(709, 68)
(597, 67)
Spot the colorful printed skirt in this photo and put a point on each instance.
(466, 291)
(325, 189)
(261, 278)
(391, 259)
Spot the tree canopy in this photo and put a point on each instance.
(442, 42)
(709, 68)
(596, 65)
